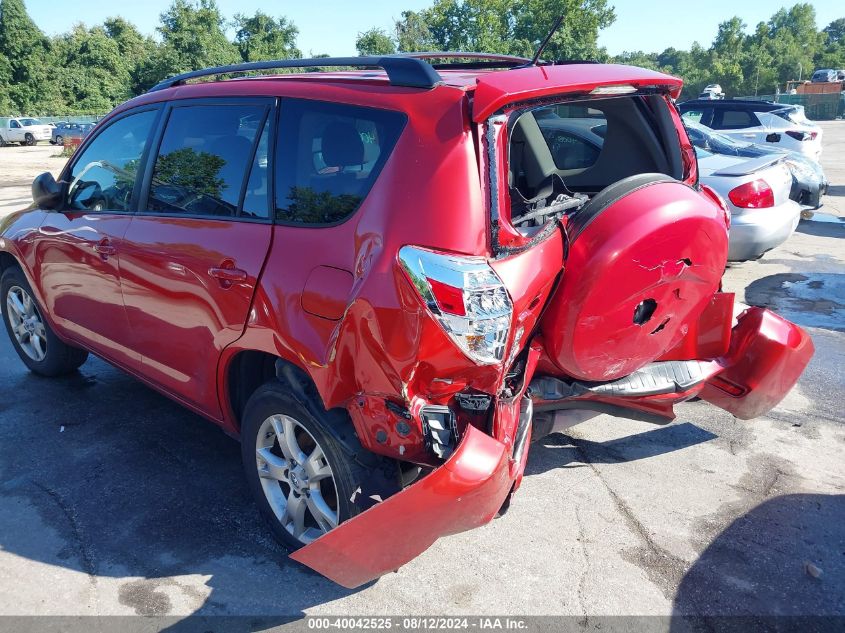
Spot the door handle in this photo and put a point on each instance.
(104, 248)
(227, 274)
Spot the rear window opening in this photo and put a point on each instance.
(562, 154)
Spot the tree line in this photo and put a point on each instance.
(90, 69)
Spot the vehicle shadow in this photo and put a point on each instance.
(828, 228)
(809, 299)
(559, 450)
(118, 482)
(782, 558)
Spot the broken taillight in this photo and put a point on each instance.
(466, 297)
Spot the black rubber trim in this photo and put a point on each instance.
(582, 218)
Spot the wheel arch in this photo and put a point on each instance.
(7, 260)
(247, 369)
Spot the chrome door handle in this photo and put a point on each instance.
(104, 248)
(227, 274)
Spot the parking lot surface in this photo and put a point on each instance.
(114, 500)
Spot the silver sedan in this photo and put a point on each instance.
(757, 193)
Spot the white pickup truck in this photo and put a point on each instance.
(23, 130)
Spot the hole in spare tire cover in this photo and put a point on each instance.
(647, 237)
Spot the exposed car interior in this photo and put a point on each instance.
(561, 155)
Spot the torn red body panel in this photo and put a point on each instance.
(710, 335)
(766, 357)
(464, 493)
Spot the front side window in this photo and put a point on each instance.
(104, 175)
(205, 154)
(328, 158)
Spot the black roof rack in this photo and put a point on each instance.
(484, 60)
(402, 70)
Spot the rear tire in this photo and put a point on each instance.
(301, 478)
(34, 341)
(60, 140)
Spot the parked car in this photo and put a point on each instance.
(757, 192)
(712, 92)
(388, 285)
(761, 218)
(761, 122)
(809, 180)
(824, 75)
(23, 130)
(73, 132)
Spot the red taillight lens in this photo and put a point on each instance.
(449, 298)
(756, 194)
(802, 136)
(467, 298)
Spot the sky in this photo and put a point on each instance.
(331, 26)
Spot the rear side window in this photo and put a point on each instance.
(574, 141)
(735, 119)
(328, 158)
(204, 157)
(103, 176)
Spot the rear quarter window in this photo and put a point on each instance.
(328, 158)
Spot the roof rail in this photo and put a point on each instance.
(402, 70)
(485, 60)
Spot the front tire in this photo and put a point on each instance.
(60, 140)
(301, 478)
(29, 140)
(34, 341)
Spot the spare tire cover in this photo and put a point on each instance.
(646, 255)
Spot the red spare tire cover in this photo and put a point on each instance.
(646, 255)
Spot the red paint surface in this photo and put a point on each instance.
(664, 243)
(464, 493)
(495, 90)
(766, 357)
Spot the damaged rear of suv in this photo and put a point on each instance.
(596, 290)
(447, 272)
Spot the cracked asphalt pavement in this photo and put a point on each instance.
(114, 500)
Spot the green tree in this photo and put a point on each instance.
(192, 170)
(833, 53)
(94, 77)
(412, 33)
(835, 31)
(503, 26)
(638, 58)
(137, 53)
(5, 81)
(375, 42)
(262, 37)
(193, 37)
(26, 50)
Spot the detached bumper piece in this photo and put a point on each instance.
(464, 493)
(766, 357)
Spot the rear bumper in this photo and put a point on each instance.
(755, 231)
(465, 492)
(766, 357)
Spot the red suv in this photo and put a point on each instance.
(387, 280)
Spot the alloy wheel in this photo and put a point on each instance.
(27, 325)
(296, 478)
